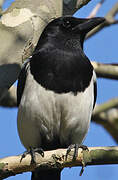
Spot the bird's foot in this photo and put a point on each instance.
(76, 147)
(32, 152)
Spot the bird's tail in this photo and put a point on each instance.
(53, 174)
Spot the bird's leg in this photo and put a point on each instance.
(32, 152)
(76, 147)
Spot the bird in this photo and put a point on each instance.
(57, 89)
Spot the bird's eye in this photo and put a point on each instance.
(66, 24)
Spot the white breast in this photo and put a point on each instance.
(45, 113)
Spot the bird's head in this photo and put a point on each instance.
(76, 25)
(68, 26)
(80, 25)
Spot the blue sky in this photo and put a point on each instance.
(103, 48)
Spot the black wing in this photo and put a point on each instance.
(21, 82)
(95, 93)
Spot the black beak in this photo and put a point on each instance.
(88, 24)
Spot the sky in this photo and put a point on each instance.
(102, 48)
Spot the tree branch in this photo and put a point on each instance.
(110, 19)
(106, 115)
(1, 3)
(9, 99)
(13, 165)
(96, 9)
(110, 125)
(106, 70)
(106, 106)
(70, 6)
(21, 26)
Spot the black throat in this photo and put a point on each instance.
(62, 75)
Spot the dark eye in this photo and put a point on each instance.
(66, 24)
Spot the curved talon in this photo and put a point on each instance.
(32, 152)
(39, 151)
(82, 169)
(76, 147)
(24, 155)
(84, 147)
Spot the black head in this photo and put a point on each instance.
(67, 26)
(72, 24)
(80, 25)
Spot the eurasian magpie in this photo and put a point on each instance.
(56, 90)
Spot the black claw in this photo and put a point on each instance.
(84, 147)
(24, 155)
(32, 152)
(76, 147)
(39, 151)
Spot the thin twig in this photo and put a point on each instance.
(96, 9)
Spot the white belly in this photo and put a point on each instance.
(46, 116)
